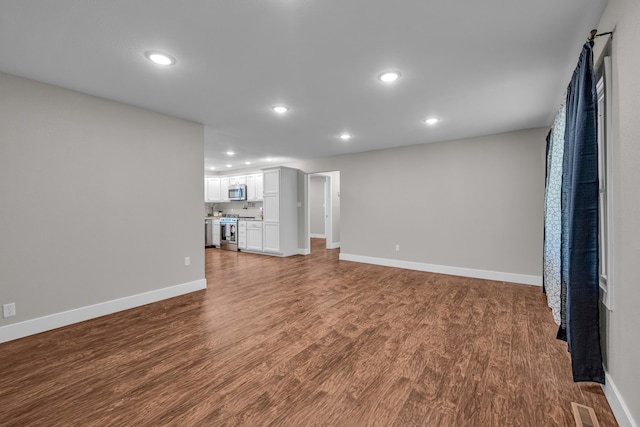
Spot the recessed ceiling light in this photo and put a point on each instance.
(230, 153)
(160, 58)
(212, 168)
(229, 166)
(269, 159)
(389, 76)
(280, 109)
(431, 121)
(247, 163)
(345, 136)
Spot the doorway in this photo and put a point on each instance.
(324, 208)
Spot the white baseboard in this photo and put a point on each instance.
(304, 251)
(618, 406)
(444, 269)
(57, 320)
(317, 236)
(333, 245)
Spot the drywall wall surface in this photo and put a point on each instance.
(621, 336)
(78, 176)
(317, 205)
(475, 203)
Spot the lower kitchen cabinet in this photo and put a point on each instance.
(271, 237)
(216, 233)
(254, 236)
(242, 235)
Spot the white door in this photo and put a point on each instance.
(328, 208)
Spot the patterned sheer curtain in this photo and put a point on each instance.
(551, 278)
(570, 257)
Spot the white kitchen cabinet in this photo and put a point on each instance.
(271, 237)
(259, 186)
(216, 233)
(216, 188)
(237, 180)
(254, 236)
(224, 188)
(212, 189)
(280, 211)
(251, 187)
(254, 187)
(271, 207)
(271, 181)
(242, 235)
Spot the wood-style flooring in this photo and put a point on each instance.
(304, 341)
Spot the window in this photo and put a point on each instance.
(605, 226)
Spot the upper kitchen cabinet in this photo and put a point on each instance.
(237, 180)
(212, 189)
(224, 188)
(251, 187)
(259, 186)
(216, 188)
(254, 187)
(280, 211)
(272, 181)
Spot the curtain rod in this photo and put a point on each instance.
(594, 34)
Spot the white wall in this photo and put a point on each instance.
(622, 325)
(470, 204)
(317, 204)
(100, 201)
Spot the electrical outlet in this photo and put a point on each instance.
(187, 261)
(9, 310)
(397, 248)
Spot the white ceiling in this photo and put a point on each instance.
(483, 67)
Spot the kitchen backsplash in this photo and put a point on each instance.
(237, 208)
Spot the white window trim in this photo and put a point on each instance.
(604, 84)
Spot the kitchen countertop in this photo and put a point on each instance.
(239, 219)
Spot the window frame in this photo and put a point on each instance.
(605, 199)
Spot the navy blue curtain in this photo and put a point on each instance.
(580, 324)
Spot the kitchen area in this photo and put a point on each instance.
(252, 212)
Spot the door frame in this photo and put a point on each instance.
(328, 211)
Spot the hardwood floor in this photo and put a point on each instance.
(302, 341)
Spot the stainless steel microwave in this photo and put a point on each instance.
(238, 192)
